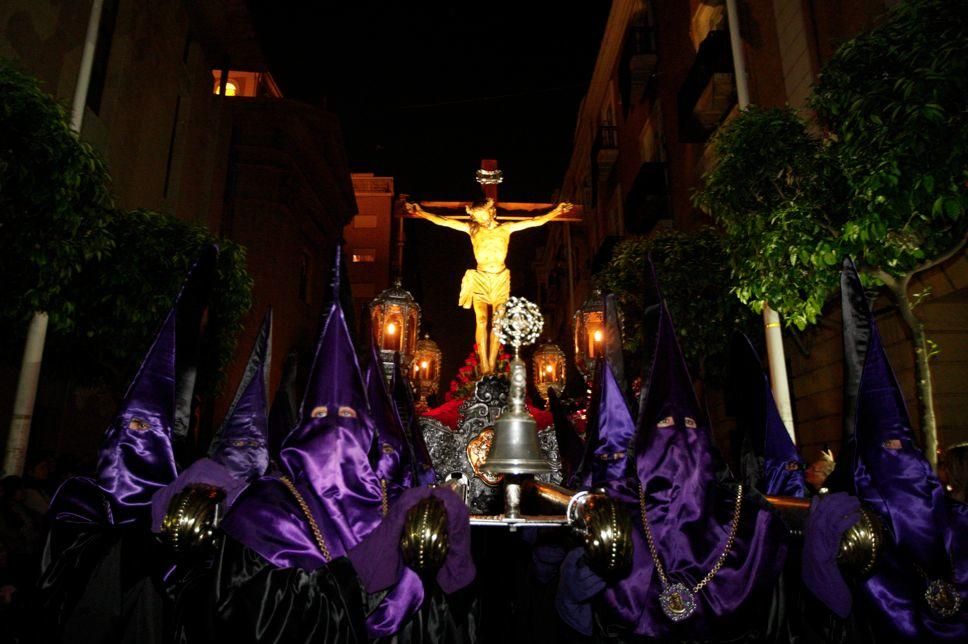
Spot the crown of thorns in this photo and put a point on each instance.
(489, 177)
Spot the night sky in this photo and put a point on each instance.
(424, 91)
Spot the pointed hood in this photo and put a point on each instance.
(673, 435)
(891, 474)
(570, 446)
(137, 456)
(691, 503)
(610, 431)
(335, 377)
(406, 411)
(390, 456)
(241, 442)
(327, 453)
(613, 342)
(285, 405)
(770, 460)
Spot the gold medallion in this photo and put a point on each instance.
(477, 451)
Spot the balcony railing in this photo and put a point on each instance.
(380, 185)
(707, 93)
(605, 150)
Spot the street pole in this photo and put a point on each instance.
(23, 406)
(771, 319)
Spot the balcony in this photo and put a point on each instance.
(605, 149)
(639, 61)
(708, 93)
(366, 183)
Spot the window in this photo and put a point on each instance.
(363, 256)
(250, 84)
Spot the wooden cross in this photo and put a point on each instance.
(510, 211)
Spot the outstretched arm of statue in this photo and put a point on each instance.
(561, 209)
(415, 210)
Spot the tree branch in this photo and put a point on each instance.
(940, 259)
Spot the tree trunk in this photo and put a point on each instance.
(923, 385)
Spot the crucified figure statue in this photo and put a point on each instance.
(487, 287)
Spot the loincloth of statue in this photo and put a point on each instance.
(490, 288)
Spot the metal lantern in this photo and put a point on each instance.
(395, 320)
(589, 323)
(425, 369)
(549, 369)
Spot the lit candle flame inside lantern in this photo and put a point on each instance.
(598, 335)
(395, 321)
(426, 369)
(392, 339)
(549, 368)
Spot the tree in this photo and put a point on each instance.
(693, 273)
(127, 293)
(885, 181)
(105, 278)
(55, 204)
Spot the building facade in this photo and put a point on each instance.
(369, 253)
(662, 85)
(185, 111)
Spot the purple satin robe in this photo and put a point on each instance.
(892, 476)
(689, 512)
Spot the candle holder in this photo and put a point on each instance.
(425, 369)
(589, 321)
(548, 362)
(395, 320)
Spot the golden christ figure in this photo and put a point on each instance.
(488, 286)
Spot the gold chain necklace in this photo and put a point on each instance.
(317, 534)
(384, 501)
(677, 601)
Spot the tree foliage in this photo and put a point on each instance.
(55, 204)
(693, 273)
(105, 277)
(893, 104)
(777, 201)
(130, 290)
(884, 180)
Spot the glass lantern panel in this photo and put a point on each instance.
(392, 331)
(376, 323)
(412, 330)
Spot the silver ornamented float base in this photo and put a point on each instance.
(465, 450)
(677, 602)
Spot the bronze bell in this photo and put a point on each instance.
(515, 447)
